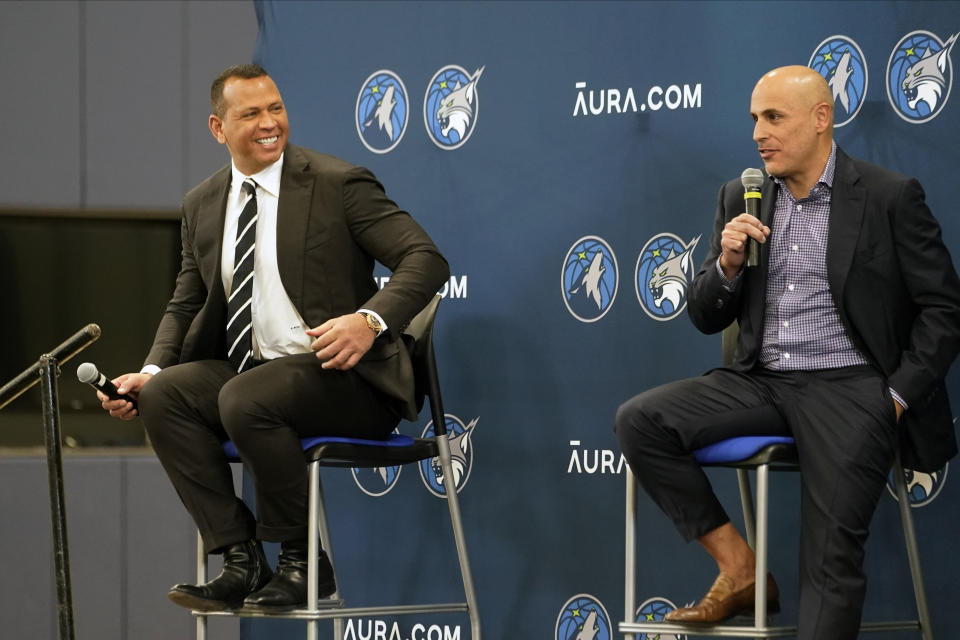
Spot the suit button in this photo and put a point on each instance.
(719, 303)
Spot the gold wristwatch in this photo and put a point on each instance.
(372, 322)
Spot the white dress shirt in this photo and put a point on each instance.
(278, 330)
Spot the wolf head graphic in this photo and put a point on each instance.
(925, 80)
(590, 280)
(590, 628)
(456, 109)
(384, 111)
(838, 81)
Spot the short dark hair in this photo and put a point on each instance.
(246, 71)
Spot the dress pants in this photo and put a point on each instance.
(190, 409)
(844, 423)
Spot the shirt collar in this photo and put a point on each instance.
(826, 178)
(268, 179)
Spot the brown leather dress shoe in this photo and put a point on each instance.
(722, 602)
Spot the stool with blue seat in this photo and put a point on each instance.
(761, 454)
(396, 450)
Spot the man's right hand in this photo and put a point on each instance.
(128, 383)
(733, 242)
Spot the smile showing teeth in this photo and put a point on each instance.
(267, 140)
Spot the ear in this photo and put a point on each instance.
(823, 113)
(216, 128)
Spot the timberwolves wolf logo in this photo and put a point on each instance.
(376, 481)
(839, 60)
(919, 76)
(653, 610)
(381, 112)
(461, 456)
(922, 487)
(589, 279)
(583, 618)
(450, 106)
(664, 271)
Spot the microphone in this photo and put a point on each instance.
(752, 180)
(87, 373)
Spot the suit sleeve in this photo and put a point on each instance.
(188, 297)
(392, 237)
(710, 305)
(934, 291)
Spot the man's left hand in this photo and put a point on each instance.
(342, 341)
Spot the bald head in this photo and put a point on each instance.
(802, 84)
(793, 111)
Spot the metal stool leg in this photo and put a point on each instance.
(763, 513)
(913, 554)
(201, 578)
(746, 502)
(319, 525)
(630, 552)
(453, 503)
(312, 551)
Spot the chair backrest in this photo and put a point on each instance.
(419, 340)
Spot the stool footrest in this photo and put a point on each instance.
(336, 610)
(714, 630)
(740, 631)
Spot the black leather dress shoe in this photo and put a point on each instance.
(288, 588)
(245, 570)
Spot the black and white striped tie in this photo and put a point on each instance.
(239, 338)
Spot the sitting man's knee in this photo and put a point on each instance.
(239, 407)
(630, 415)
(156, 393)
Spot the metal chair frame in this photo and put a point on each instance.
(771, 457)
(339, 452)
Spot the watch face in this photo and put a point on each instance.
(372, 322)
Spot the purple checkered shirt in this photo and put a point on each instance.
(802, 328)
(801, 325)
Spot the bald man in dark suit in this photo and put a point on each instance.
(848, 326)
(322, 353)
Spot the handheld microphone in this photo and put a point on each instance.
(87, 373)
(752, 180)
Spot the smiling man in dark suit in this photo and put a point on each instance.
(848, 327)
(276, 330)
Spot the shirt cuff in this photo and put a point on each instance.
(152, 369)
(901, 401)
(383, 325)
(727, 283)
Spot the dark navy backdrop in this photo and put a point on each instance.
(538, 173)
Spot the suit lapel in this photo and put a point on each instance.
(847, 204)
(208, 238)
(293, 215)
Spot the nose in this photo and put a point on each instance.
(267, 121)
(758, 131)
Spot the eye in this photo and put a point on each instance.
(662, 273)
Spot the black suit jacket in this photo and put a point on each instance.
(892, 280)
(333, 221)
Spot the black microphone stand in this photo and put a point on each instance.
(45, 371)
